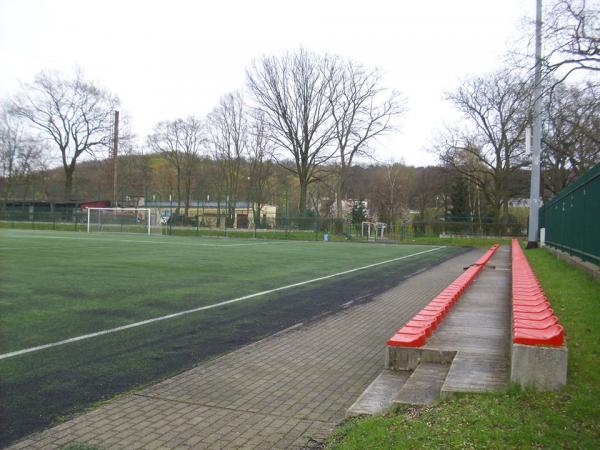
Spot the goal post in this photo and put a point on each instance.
(366, 229)
(373, 230)
(130, 220)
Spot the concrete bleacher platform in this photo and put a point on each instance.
(539, 355)
(479, 331)
(469, 351)
(477, 345)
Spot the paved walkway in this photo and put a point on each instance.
(287, 391)
(478, 329)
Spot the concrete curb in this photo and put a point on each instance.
(590, 268)
(543, 368)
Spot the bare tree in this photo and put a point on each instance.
(571, 135)
(228, 129)
(430, 189)
(362, 110)
(19, 152)
(181, 141)
(261, 165)
(389, 192)
(76, 115)
(571, 34)
(491, 148)
(292, 93)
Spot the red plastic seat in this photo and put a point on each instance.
(551, 336)
(534, 321)
(535, 324)
(532, 315)
(407, 340)
(433, 319)
(533, 309)
(532, 301)
(427, 326)
(416, 331)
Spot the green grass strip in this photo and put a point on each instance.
(515, 418)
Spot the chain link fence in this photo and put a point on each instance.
(314, 228)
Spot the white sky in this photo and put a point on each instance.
(171, 58)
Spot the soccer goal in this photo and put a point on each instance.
(129, 220)
(372, 230)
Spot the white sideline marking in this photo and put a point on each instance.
(187, 244)
(204, 308)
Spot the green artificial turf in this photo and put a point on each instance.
(461, 241)
(59, 285)
(516, 418)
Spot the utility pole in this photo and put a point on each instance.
(115, 157)
(534, 197)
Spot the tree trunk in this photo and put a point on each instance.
(505, 216)
(69, 182)
(219, 210)
(339, 192)
(303, 197)
(178, 193)
(256, 208)
(188, 195)
(8, 189)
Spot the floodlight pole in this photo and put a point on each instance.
(534, 197)
(115, 156)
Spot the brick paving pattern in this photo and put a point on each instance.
(286, 391)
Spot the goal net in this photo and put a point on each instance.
(128, 220)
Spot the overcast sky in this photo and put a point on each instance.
(171, 58)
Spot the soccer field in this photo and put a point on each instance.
(86, 316)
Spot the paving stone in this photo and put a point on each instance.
(286, 391)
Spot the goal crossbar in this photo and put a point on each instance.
(147, 211)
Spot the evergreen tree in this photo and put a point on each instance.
(359, 212)
(459, 197)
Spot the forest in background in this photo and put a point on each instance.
(302, 135)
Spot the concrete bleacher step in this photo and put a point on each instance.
(476, 372)
(424, 385)
(377, 398)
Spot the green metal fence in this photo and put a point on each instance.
(30, 216)
(571, 219)
(35, 218)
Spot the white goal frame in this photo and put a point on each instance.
(378, 228)
(148, 212)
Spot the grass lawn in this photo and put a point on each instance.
(59, 285)
(515, 418)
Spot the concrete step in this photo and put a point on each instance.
(377, 398)
(424, 385)
(477, 372)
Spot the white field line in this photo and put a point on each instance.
(204, 308)
(136, 241)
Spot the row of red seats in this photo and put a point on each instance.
(534, 322)
(420, 327)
